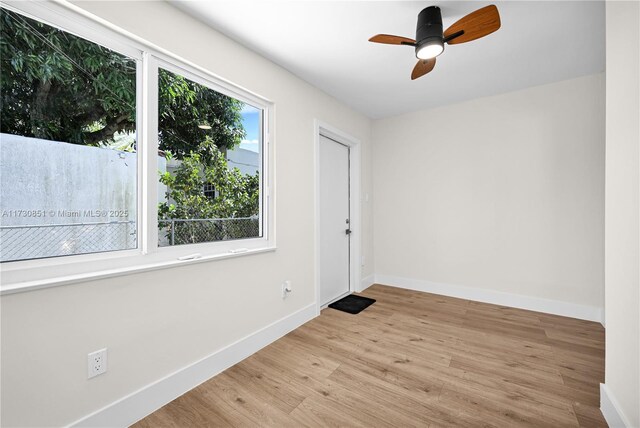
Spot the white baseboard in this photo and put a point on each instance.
(367, 282)
(611, 409)
(135, 406)
(537, 304)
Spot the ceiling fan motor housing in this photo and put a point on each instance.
(429, 29)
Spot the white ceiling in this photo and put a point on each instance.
(325, 43)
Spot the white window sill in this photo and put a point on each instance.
(19, 287)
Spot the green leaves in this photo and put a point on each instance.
(54, 84)
(184, 105)
(237, 195)
(17, 62)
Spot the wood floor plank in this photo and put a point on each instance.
(266, 388)
(411, 359)
(502, 411)
(194, 411)
(589, 416)
(316, 412)
(575, 338)
(506, 368)
(246, 400)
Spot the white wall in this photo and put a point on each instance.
(157, 322)
(504, 193)
(42, 165)
(247, 161)
(622, 243)
(45, 170)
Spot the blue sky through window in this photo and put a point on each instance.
(251, 123)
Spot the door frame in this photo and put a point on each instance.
(355, 242)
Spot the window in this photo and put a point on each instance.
(209, 191)
(68, 144)
(120, 156)
(204, 197)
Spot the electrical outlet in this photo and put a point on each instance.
(97, 363)
(286, 288)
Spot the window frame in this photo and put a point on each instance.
(25, 275)
(202, 79)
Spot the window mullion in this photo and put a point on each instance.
(149, 181)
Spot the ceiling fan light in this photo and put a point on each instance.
(430, 50)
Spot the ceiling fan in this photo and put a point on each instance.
(430, 38)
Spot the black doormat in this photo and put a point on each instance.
(352, 304)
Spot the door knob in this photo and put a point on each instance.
(348, 231)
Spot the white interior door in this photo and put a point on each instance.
(334, 220)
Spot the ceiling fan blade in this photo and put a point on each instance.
(423, 67)
(392, 40)
(477, 24)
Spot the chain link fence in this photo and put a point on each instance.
(51, 240)
(194, 231)
(40, 241)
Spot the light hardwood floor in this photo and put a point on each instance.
(410, 359)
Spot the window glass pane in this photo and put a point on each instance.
(67, 145)
(210, 162)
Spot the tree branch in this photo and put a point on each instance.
(39, 108)
(114, 125)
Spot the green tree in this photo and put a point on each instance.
(236, 197)
(61, 87)
(51, 81)
(184, 106)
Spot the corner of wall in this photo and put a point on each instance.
(611, 409)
